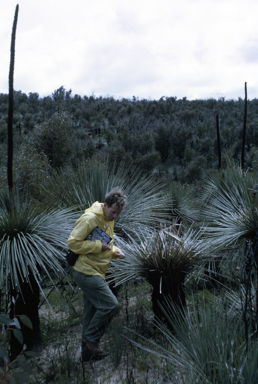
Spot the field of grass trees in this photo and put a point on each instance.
(170, 138)
(188, 285)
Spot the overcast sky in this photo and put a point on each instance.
(197, 49)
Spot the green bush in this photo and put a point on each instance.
(53, 138)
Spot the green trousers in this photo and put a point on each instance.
(100, 305)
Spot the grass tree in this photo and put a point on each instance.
(31, 246)
(230, 206)
(164, 258)
(230, 209)
(183, 197)
(148, 200)
(209, 345)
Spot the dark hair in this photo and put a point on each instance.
(116, 196)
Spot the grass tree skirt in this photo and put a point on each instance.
(26, 304)
(167, 289)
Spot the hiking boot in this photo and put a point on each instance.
(91, 351)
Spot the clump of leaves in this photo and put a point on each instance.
(168, 252)
(31, 240)
(208, 347)
(230, 206)
(53, 138)
(16, 371)
(30, 168)
(148, 204)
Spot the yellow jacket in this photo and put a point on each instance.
(92, 261)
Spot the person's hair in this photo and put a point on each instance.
(116, 196)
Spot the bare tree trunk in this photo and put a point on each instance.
(244, 130)
(218, 139)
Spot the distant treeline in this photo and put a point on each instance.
(174, 138)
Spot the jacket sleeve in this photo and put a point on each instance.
(77, 242)
(114, 250)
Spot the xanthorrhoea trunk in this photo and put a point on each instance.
(167, 289)
(26, 304)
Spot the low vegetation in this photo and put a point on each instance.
(188, 285)
(200, 330)
(172, 138)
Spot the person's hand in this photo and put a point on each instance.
(105, 247)
(120, 254)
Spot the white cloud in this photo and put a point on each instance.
(192, 48)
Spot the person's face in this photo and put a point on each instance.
(111, 212)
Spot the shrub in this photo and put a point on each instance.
(53, 138)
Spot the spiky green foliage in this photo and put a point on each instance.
(148, 202)
(230, 207)
(183, 197)
(231, 211)
(237, 298)
(31, 240)
(169, 253)
(209, 346)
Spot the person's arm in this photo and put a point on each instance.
(77, 242)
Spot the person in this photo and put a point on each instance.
(90, 268)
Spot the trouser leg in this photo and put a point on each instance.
(88, 313)
(100, 305)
